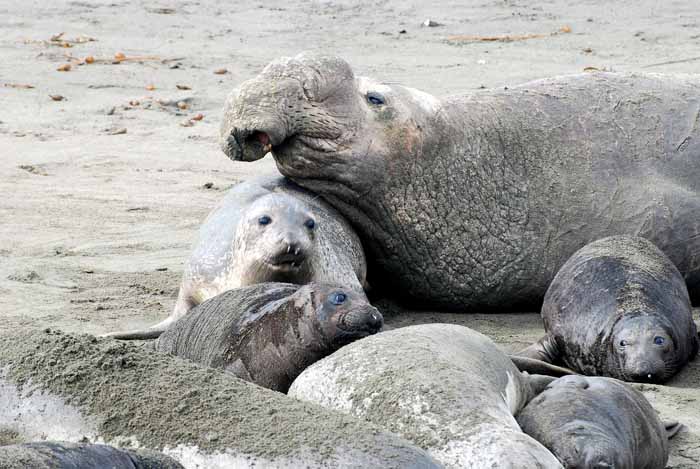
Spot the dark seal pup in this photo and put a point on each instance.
(271, 332)
(50, 455)
(473, 202)
(593, 423)
(619, 308)
(266, 229)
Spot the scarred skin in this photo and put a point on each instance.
(619, 308)
(305, 240)
(271, 332)
(473, 202)
(48, 455)
(593, 422)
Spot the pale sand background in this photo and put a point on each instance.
(94, 228)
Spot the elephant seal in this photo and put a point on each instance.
(447, 388)
(49, 455)
(75, 387)
(269, 333)
(266, 229)
(594, 422)
(619, 308)
(473, 202)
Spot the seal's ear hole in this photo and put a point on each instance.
(375, 98)
(310, 224)
(338, 298)
(264, 220)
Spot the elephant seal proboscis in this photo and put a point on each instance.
(52, 455)
(595, 422)
(70, 387)
(270, 332)
(619, 308)
(266, 229)
(447, 388)
(473, 202)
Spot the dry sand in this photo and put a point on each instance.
(96, 227)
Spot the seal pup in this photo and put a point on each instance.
(595, 422)
(618, 308)
(473, 202)
(62, 387)
(266, 229)
(53, 455)
(447, 388)
(270, 332)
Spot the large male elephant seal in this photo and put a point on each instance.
(48, 455)
(593, 422)
(78, 388)
(266, 229)
(269, 333)
(618, 307)
(476, 200)
(447, 388)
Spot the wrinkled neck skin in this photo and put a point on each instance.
(403, 188)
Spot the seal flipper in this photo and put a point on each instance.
(535, 366)
(537, 383)
(545, 350)
(672, 428)
(152, 332)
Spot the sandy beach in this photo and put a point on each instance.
(109, 116)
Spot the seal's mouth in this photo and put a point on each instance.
(252, 145)
(288, 261)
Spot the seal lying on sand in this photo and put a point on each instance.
(475, 201)
(63, 387)
(447, 388)
(592, 422)
(269, 333)
(618, 308)
(80, 456)
(266, 230)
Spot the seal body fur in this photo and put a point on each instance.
(233, 250)
(619, 308)
(474, 201)
(269, 333)
(447, 388)
(594, 422)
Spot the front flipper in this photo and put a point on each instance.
(539, 367)
(545, 350)
(672, 428)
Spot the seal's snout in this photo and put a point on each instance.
(365, 322)
(251, 144)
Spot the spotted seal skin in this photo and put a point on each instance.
(447, 388)
(618, 308)
(52, 455)
(266, 229)
(595, 423)
(269, 333)
(473, 202)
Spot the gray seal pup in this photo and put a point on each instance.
(447, 388)
(270, 332)
(266, 229)
(66, 387)
(619, 308)
(52, 455)
(594, 422)
(473, 202)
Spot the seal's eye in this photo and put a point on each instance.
(659, 340)
(623, 343)
(338, 298)
(375, 98)
(264, 220)
(310, 224)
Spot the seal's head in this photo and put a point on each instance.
(344, 315)
(646, 348)
(325, 127)
(275, 240)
